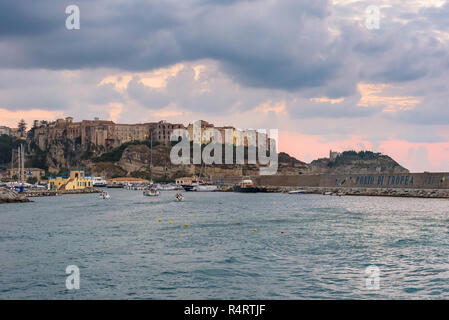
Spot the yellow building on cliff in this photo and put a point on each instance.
(75, 180)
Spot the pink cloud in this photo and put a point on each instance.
(11, 118)
(416, 157)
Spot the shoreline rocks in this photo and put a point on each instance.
(11, 196)
(47, 193)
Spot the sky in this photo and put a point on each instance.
(314, 70)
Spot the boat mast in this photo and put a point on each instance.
(23, 163)
(151, 155)
(19, 164)
(12, 162)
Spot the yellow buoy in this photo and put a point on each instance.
(186, 224)
(170, 222)
(159, 220)
(196, 215)
(255, 230)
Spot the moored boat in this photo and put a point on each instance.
(190, 187)
(205, 187)
(247, 185)
(166, 187)
(98, 182)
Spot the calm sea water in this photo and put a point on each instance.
(124, 252)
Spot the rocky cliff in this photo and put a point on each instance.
(357, 162)
(134, 159)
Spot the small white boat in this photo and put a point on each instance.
(297, 192)
(166, 187)
(205, 187)
(152, 192)
(179, 197)
(105, 195)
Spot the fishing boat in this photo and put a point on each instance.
(247, 185)
(151, 192)
(179, 197)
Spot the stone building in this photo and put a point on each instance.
(28, 173)
(5, 130)
(102, 133)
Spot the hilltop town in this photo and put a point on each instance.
(110, 149)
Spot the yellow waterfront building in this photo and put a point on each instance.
(75, 180)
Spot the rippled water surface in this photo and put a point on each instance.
(124, 252)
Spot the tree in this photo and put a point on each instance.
(22, 126)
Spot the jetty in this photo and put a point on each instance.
(416, 185)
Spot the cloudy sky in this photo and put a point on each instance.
(311, 69)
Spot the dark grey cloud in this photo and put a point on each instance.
(261, 44)
(290, 50)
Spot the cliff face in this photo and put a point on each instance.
(135, 160)
(353, 162)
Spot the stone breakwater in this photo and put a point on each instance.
(11, 196)
(387, 192)
(393, 192)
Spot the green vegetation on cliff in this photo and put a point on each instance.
(357, 162)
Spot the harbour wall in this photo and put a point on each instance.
(434, 180)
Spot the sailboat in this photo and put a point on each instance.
(152, 191)
(204, 185)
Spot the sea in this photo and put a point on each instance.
(223, 245)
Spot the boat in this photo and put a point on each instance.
(191, 186)
(105, 195)
(114, 184)
(300, 191)
(199, 185)
(166, 187)
(205, 187)
(179, 197)
(99, 182)
(151, 192)
(247, 185)
(135, 186)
